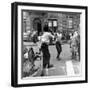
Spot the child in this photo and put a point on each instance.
(46, 55)
(58, 44)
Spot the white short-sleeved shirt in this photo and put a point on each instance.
(46, 37)
(59, 36)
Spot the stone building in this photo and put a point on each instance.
(57, 21)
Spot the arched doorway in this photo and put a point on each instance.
(37, 25)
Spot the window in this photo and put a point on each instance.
(52, 24)
(70, 23)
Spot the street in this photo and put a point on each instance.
(62, 66)
(65, 66)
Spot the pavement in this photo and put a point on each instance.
(65, 66)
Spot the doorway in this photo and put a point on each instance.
(37, 25)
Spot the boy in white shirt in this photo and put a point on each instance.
(58, 44)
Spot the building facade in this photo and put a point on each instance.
(57, 21)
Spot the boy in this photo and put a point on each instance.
(58, 45)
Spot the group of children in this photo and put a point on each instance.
(44, 41)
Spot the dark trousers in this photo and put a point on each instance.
(46, 61)
(46, 55)
(59, 48)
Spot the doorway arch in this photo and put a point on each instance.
(37, 25)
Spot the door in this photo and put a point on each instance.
(37, 25)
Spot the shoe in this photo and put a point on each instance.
(42, 74)
(58, 58)
(50, 66)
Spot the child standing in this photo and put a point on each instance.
(58, 45)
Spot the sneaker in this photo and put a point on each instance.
(58, 58)
(50, 66)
